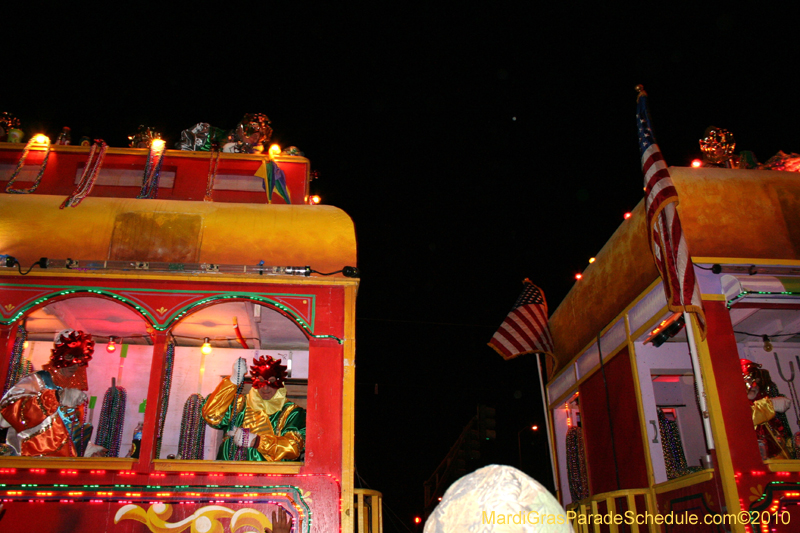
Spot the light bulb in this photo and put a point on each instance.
(767, 343)
(111, 346)
(206, 348)
(275, 149)
(157, 145)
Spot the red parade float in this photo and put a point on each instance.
(178, 264)
(651, 416)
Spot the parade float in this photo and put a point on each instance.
(656, 411)
(178, 265)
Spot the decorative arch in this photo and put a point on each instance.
(45, 299)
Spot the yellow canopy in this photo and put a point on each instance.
(33, 226)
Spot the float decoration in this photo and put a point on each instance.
(18, 367)
(202, 137)
(112, 419)
(193, 429)
(717, 145)
(169, 365)
(672, 448)
(89, 175)
(576, 465)
(8, 122)
(204, 520)
(38, 140)
(250, 135)
(152, 170)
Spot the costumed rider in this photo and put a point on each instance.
(260, 425)
(45, 409)
(769, 406)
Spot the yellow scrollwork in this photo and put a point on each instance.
(204, 520)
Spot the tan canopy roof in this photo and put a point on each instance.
(33, 226)
(744, 214)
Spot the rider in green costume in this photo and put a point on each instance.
(260, 425)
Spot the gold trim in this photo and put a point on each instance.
(243, 278)
(713, 297)
(723, 451)
(647, 326)
(259, 467)
(170, 153)
(637, 387)
(782, 465)
(348, 408)
(685, 481)
(72, 463)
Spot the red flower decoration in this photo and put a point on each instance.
(72, 348)
(268, 372)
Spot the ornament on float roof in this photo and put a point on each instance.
(9, 128)
(202, 137)
(292, 150)
(717, 145)
(249, 136)
(143, 137)
(65, 137)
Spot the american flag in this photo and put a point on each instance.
(667, 240)
(525, 329)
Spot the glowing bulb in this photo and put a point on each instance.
(206, 348)
(25, 345)
(417, 520)
(627, 215)
(157, 145)
(697, 163)
(578, 275)
(111, 346)
(314, 200)
(535, 428)
(41, 139)
(592, 260)
(767, 343)
(274, 149)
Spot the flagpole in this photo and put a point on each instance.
(701, 389)
(546, 422)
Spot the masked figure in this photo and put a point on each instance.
(769, 406)
(45, 409)
(260, 425)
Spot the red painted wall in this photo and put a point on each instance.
(600, 453)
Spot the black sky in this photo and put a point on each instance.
(473, 146)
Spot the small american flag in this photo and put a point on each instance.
(525, 329)
(667, 240)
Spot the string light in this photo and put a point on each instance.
(697, 163)
(767, 343)
(206, 348)
(111, 346)
(578, 276)
(592, 260)
(627, 215)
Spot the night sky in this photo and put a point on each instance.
(473, 146)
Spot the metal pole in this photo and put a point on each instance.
(698, 380)
(546, 424)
